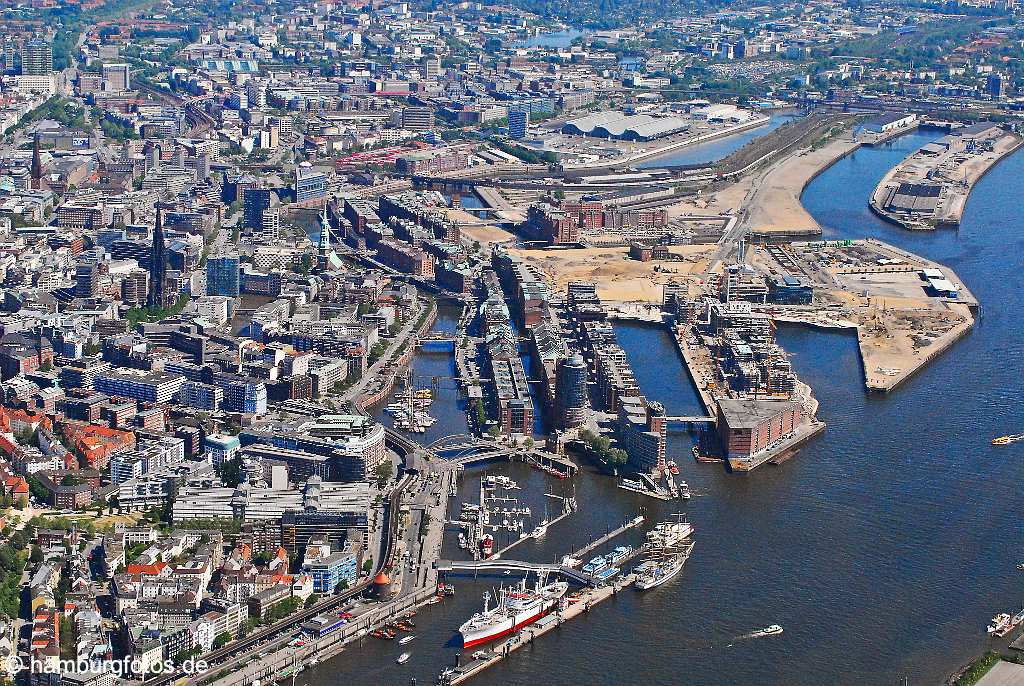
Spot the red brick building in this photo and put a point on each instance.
(748, 427)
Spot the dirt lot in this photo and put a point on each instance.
(618, 278)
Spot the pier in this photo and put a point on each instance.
(568, 510)
(589, 598)
(495, 565)
(589, 548)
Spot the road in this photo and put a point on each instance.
(404, 335)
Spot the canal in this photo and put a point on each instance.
(883, 548)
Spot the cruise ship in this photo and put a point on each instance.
(517, 607)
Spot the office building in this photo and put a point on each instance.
(432, 67)
(995, 86)
(417, 118)
(221, 448)
(135, 288)
(37, 58)
(201, 396)
(310, 184)
(328, 572)
(518, 120)
(150, 387)
(254, 202)
(222, 275)
(117, 77)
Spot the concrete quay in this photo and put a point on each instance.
(869, 139)
(696, 372)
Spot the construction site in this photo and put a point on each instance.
(905, 309)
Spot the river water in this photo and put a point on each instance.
(716, 149)
(883, 548)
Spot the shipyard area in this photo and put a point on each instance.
(929, 189)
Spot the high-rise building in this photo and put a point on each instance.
(571, 392)
(134, 288)
(995, 85)
(310, 184)
(87, 279)
(432, 67)
(517, 123)
(254, 201)
(10, 52)
(417, 118)
(222, 275)
(157, 296)
(37, 58)
(271, 225)
(118, 77)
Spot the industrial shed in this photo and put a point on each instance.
(636, 127)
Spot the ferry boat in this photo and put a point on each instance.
(771, 630)
(1006, 440)
(1001, 625)
(595, 565)
(618, 554)
(403, 658)
(517, 607)
(655, 572)
(406, 639)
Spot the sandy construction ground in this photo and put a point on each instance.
(774, 201)
(894, 343)
(618, 278)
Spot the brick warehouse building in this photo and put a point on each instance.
(747, 427)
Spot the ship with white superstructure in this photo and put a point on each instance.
(517, 607)
(668, 534)
(670, 548)
(662, 567)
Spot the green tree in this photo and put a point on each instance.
(384, 471)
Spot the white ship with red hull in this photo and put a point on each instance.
(517, 607)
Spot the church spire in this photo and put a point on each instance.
(325, 232)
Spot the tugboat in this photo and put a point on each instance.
(487, 546)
